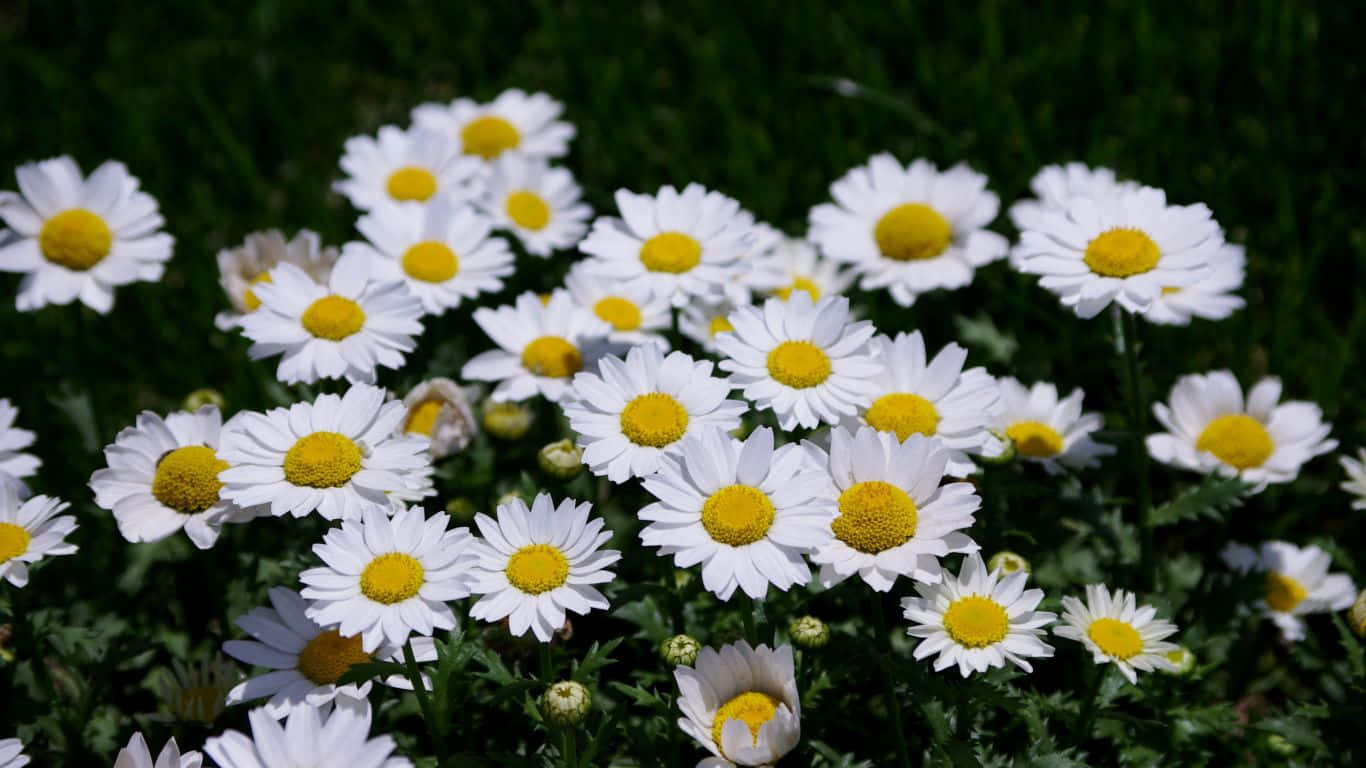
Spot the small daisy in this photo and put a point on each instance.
(1116, 631)
(336, 455)
(386, 578)
(1212, 298)
(701, 321)
(635, 316)
(29, 531)
(197, 692)
(515, 120)
(541, 346)
(980, 620)
(741, 704)
(138, 755)
(535, 564)
(1297, 582)
(632, 413)
(1055, 185)
(909, 229)
(12, 754)
(1356, 477)
(1211, 429)
(803, 360)
(77, 237)
(537, 203)
(745, 511)
(441, 411)
(241, 268)
(398, 166)
(1044, 429)
(15, 465)
(795, 265)
(349, 327)
(312, 736)
(895, 519)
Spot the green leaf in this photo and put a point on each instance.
(1209, 499)
(598, 657)
(360, 673)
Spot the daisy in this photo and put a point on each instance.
(541, 346)
(515, 120)
(1055, 185)
(1211, 429)
(310, 737)
(537, 203)
(792, 265)
(701, 321)
(400, 166)
(241, 268)
(741, 704)
(980, 620)
(336, 455)
(440, 410)
(745, 511)
(1297, 582)
(12, 754)
(895, 519)
(1356, 477)
(803, 360)
(909, 229)
(14, 464)
(634, 315)
(77, 237)
(1046, 430)
(386, 578)
(1116, 631)
(1212, 298)
(634, 412)
(29, 531)
(137, 755)
(535, 564)
(197, 692)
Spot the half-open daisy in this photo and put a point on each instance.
(741, 704)
(29, 531)
(136, 754)
(333, 734)
(1046, 430)
(537, 203)
(636, 317)
(701, 321)
(515, 120)
(1210, 298)
(793, 264)
(15, 465)
(1118, 631)
(541, 346)
(399, 166)
(1355, 483)
(1297, 582)
(440, 410)
(241, 268)
(1054, 185)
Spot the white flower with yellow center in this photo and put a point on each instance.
(635, 316)
(1054, 185)
(743, 510)
(537, 203)
(77, 237)
(793, 264)
(803, 360)
(336, 455)
(331, 735)
(741, 704)
(401, 166)
(1046, 430)
(349, 327)
(138, 755)
(701, 321)
(535, 564)
(894, 518)
(528, 124)
(541, 346)
(1210, 298)
(12, 754)
(29, 531)
(909, 229)
(440, 410)
(1355, 483)
(241, 268)
(15, 465)
(1118, 631)
(979, 620)
(1297, 582)
(632, 413)
(1211, 429)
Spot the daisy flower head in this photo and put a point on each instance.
(78, 237)
(1117, 631)
(1055, 185)
(746, 511)
(15, 465)
(909, 229)
(793, 264)
(12, 754)
(197, 692)
(241, 268)
(1355, 483)
(400, 166)
(1210, 298)
(514, 121)
(1297, 582)
(804, 360)
(137, 755)
(440, 410)
(701, 321)
(541, 346)
(29, 531)
(534, 564)
(333, 734)
(1210, 428)
(741, 704)
(894, 518)
(539, 204)
(636, 316)
(1046, 430)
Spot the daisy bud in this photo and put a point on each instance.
(1008, 562)
(202, 397)
(1279, 745)
(680, 650)
(561, 459)
(507, 421)
(508, 498)
(566, 703)
(461, 509)
(809, 632)
(198, 692)
(1007, 453)
(1183, 661)
(1358, 614)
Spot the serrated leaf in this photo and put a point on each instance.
(1209, 499)
(598, 657)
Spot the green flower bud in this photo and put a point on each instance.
(461, 509)
(1007, 454)
(1358, 614)
(561, 459)
(1183, 661)
(808, 632)
(1008, 562)
(202, 397)
(1279, 745)
(506, 421)
(680, 650)
(507, 498)
(566, 703)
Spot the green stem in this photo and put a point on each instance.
(424, 701)
(570, 750)
(903, 754)
(747, 616)
(1127, 331)
(546, 666)
(1088, 706)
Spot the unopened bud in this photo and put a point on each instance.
(680, 650)
(202, 397)
(561, 459)
(507, 421)
(1008, 562)
(809, 632)
(566, 702)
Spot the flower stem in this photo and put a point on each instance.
(748, 617)
(1088, 706)
(570, 750)
(903, 754)
(1126, 330)
(546, 666)
(424, 701)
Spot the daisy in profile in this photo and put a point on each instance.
(793, 264)
(336, 734)
(894, 518)
(515, 120)
(743, 510)
(335, 455)
(805, 361)
(1210, 428)
(138, 755)
(1054, 185)
(634, 412)
(635, 316)
(741, 704)
(538, 204)
(1355, 483)
(12, 754)
(78, 237)
(536, 563)
(909, 229)
(541, 346)
(349, 327)
(241, 268)
(1211, 298)
(1118, 631)
(399, 166)
(1046, 430)
(441, 411)
(1297, 582)
(15, 465)
(29, 531)
(701, 321)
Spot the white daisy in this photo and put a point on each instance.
(538, 204)
(1116, 631)
(541, 346)
(29, 531)
(1211, 298)
(241, 268)
(138, 755)
(398, 166)
(632, 413)
(803, 360)
(1054, 185)
(12, 754)
(440, 410)
(909, 229)
(535, 564)
(1044, 429)
(1355, 483)
(515, 120)
(15, 465)
(1297, 582)
(77, 237)
(1210, 429)
(980, 620)
(741, 704)
(701, 321)
(635, 316)
(310, 737)
(793, 264)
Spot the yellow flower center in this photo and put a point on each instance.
(672, 252)
(798, 364)
(528, 210)
(912, 232)
(333, 318)
(875, 516)
(13, 541)
(249, 297)
(737, 515)
(621, 313)
(903, 413)
(1035, 439)
(751, 708)
(430, 262)
(719, 324)
(186, 479)
(327, 657)
(1115, 638)
(422, 418)
(411, 183)
(489, 136)
(1121, 253)
(1236, 439)
(76, 239)
(552, 356)
(538, 568)
(976, 622)
(800, 284)
(1283, 593)
(322, 460)
(654, 419)
(392, 578)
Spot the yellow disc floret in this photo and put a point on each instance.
(800, 284)
(75, 238)
(249, 298)
(753, 708)
(904, 413)
(798, 364)
(392, 578)
(537, 568)
(1122, 252)
(13, 541)
(1283, 593)
(737, 515)
(327, 657)
(654, 419)
(976, 622)
(322, 460)
(719, 324)
(527, 210)
(1115, 638)
(431, 262)
(186, 479)
(489, 136)
(875, 516)
(552, 356)
(1035, 439)
(333, 318)
(411, 183)
(1238, 440)
(422, 418)
(622, 314)
(912, 232)
(672, 252)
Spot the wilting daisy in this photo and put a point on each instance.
(909, 229)
(541, 346)
(745, 511)
(1055, 185)
(535, 564)
(12, 754)
(1356, 477)
(311, 736)
(1211, 429)
(635, 316)
(138, 755)
(537, 203)
(336, 455)
(515, 120)
(1117, 631)
(29, 531)
(1210, 298)
(1044, 429)
(741, 704)
(197, 692)
(398, 166)
(803, 360)
(77, 237)
(15, 465)
(440, 410)
(241, 268)
(634, 412)
(793, 264)
(895, 519)
(1297, 582)
(979, 620)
